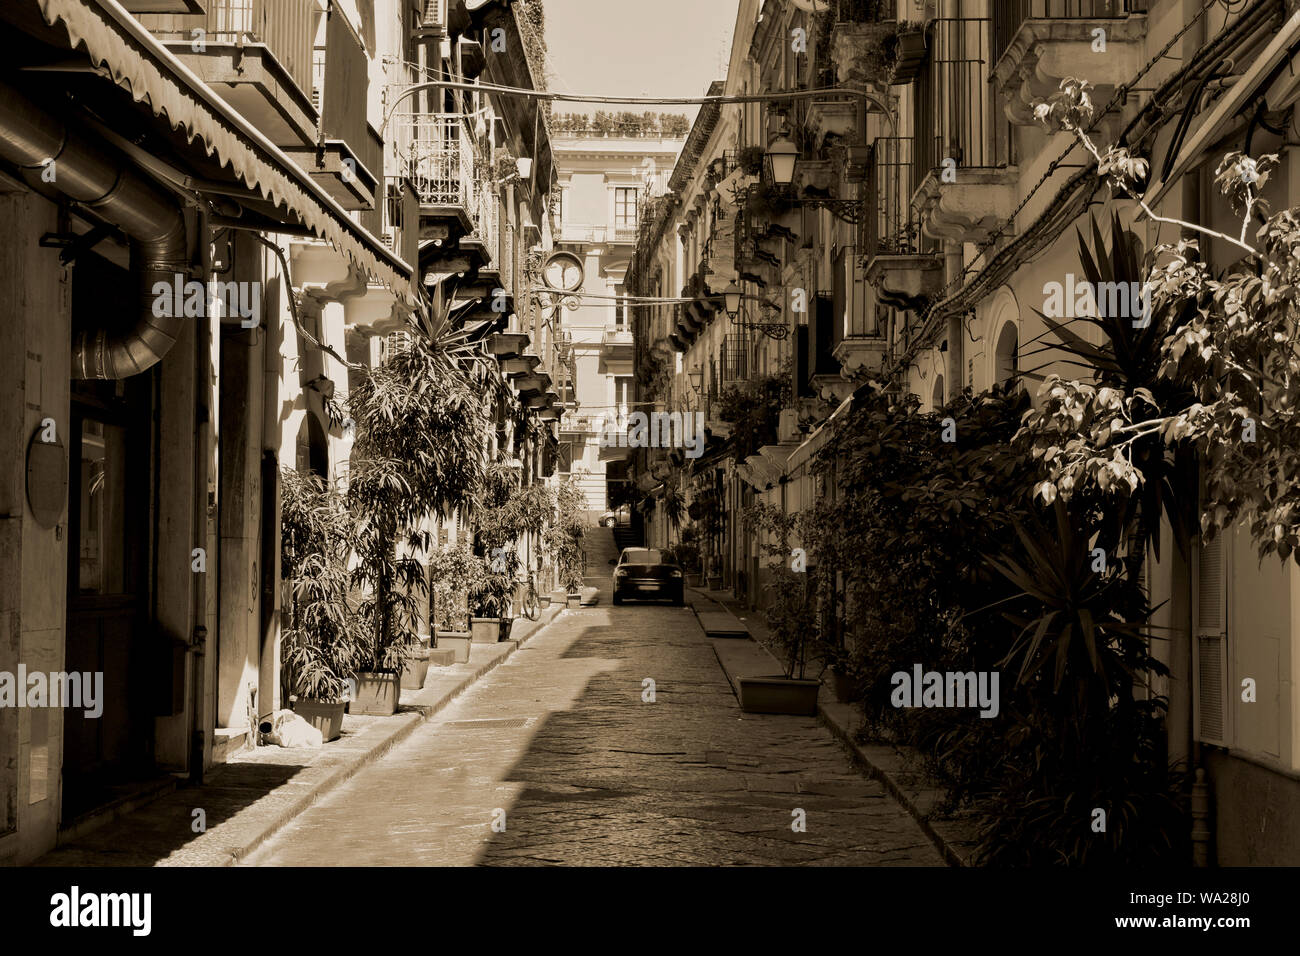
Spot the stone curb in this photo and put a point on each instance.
(411, 719)
(949, 838)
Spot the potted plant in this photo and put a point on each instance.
(319, 643)
(455, 572)
(420, 440)
(564, 540)
(791, 621)
(490, 597)
(750, 159)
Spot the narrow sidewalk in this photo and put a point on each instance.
(897, 768)
(244, 802)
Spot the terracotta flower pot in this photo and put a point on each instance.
(415, 672)
(378, 693)
(458, 641)
(485, 630)
(325, 715)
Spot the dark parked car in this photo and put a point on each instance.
(648, 573)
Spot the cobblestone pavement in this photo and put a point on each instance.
(561, 747)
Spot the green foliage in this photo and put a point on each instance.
(321, 636)
(455, 572)
(421, 429)
(563, 539)
(790, 609)
(754, 410)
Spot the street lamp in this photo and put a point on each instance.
(731, 296)
(697, 378)
(781, 156)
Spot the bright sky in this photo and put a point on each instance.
(633, 48)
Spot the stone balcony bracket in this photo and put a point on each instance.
(837, 119)
(817, 176)
(902, 281)
(860, 353)
(1044, 52)
(969, 210)
(378, 312)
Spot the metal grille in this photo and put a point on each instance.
(953, 103)
(895, 228)
(735, 360)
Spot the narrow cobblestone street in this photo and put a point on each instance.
(587, 773)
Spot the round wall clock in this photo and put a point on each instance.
(564, 271)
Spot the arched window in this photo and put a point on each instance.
(1007, 364)
(938, 397)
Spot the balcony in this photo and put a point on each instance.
(1038, 43)
(459, 213)
(615, 344)
(347, 161)
(257, 55)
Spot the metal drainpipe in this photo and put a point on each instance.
(106, 183)
(956, 341)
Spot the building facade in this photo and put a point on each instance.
(217, 215)
(603, 179)
(913, 251)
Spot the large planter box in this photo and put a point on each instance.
(458, 641)
(489, 630)
(777, 695)
(325, 715)
(574, 600)
(694, 580)
(415, 672)
(378, 693)
(559, 597)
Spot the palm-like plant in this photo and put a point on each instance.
(1129, 359)
(421, 434)
(321, 638)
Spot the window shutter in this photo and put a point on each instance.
(1210, 642)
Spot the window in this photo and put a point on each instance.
(622, 392)
(620, 307)
(625, 208)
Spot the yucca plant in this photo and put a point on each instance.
(1129, 359)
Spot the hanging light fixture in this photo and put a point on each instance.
(781, 156)
(731, 296)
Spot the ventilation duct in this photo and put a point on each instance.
(105, 182)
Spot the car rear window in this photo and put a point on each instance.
(646, 556)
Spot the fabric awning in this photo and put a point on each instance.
(114, 40)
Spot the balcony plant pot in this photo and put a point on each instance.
(458, 641)
(378, 693)
(777, 695)
(415, 671)
(574, 600)
(325, 715)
